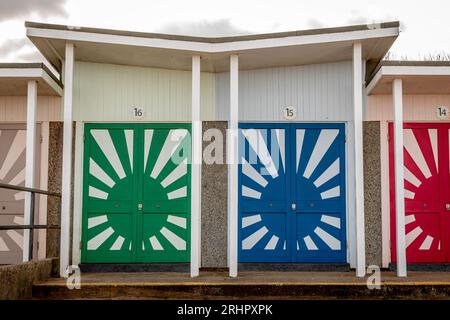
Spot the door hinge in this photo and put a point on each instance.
(345, 138)
(81, 245)
(41, 139)
(84, 137)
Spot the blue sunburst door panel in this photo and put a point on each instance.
(292, 193)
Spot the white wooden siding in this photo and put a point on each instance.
(14, 109)
(321, 92)
(415, 107)
(106, 92)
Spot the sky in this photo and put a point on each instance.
(425, 25)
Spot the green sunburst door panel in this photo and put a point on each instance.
(136, 193)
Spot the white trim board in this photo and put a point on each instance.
(204, 47)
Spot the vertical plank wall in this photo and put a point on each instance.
(321, 92)
(107, 92)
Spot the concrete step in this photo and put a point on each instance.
(249, 285)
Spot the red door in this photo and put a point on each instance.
(427, 192)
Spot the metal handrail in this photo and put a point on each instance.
(30, 226)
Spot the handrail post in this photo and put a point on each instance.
(31, 238)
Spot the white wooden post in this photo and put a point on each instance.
(67, 161)
(359, 174)
(196, 166)
(397, 97)
(233, 167)
(30, 161)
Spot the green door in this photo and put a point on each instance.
(136, 193)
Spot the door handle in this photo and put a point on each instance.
(139, 206)
(293, 206)
(447, 206)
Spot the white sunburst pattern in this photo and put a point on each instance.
(168, 153)
(268, 170)
(104, 141)
(12, 171)
(318, 182)
(419, 171)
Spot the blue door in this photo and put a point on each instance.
(292, 193)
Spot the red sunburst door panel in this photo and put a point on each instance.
(426, 179)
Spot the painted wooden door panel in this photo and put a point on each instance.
(292, 193)
(320, 192)
(426, 173)
(134, 210)
(12, 171)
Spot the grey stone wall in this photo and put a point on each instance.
(372, 192)
(214, 206)
(54, 185)
(16, 281)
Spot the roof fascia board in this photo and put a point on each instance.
(401, 71)
(210, 47)
(31, 73)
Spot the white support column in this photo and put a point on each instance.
(397, 97)
(196, 170)
(67, 161)
(30, 160)
(359, 174)
(232, 153)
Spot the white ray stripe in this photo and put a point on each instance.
(178, 221)
(298, 246)
(332, 221)
(101, 175)
(409, 194)
(19, 178)
(249, 242)
(117, 245)
(179, 193)
(412, 235)
(3, 246)
(260, 147)
(173, 140)
(328, 174)
(129, 247)
(310, 245)
(15, 150)
(332, 242)
(175, 240)
(143, 245)
(99, 239)
(409, 219)
(18, 220)
(253, 174)
(156, 245)
(272, 244)
(439, 245)
(250, 193)
(97, 193)
(331, 193)
(323, 143)
(147, 143)
(104, 141)
(16, 237)
(281, 143)
(426, 244)
(284, 245)
(299, 145)
(176, 174)
(129, 141)
(412, 146)
(411, 178)
(250, 220)
(95, 221)
(433, 139)
(19, 195)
